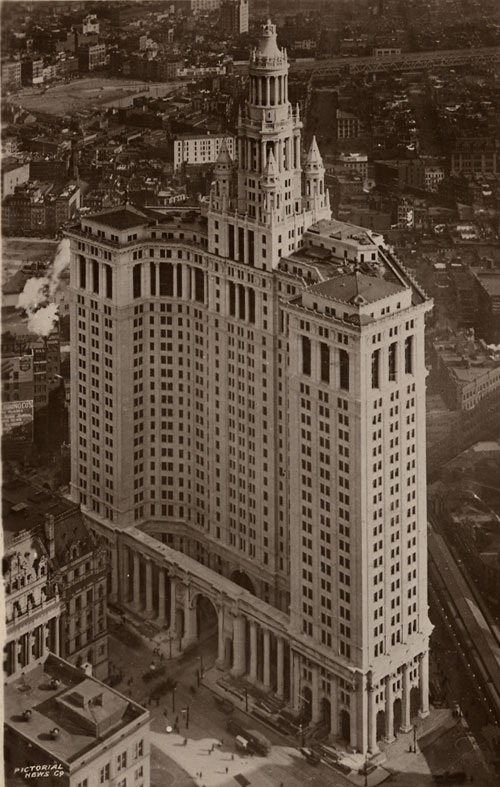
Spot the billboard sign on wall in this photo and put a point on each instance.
(17, 422)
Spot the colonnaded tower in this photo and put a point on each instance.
(248, 428)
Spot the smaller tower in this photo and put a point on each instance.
(314, 180)
(220, 194)
(270, 183)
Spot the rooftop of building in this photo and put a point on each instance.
(490, 281)
(357, 288)
(69, 713)
(343, 231)
(123, 218)
(26, 506)
(465, 357)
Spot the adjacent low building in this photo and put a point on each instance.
(200, 148)
(55, 575)
(74, 730)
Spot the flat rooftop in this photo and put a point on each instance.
(84, 710)
(24, 507)
(122, 219)
(343, 231)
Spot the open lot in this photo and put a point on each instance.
(88, 93)
(17, 251)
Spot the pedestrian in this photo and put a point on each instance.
(177, 720)
(232, 756)
(165, 713)
(227, 769)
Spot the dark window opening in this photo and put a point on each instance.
(231, 241)
(344, 369)
(251, 305)
(152, 276)
(199, 285)
(95, 277)
(409, 355)
(241, 244)
(232, 299)
(251, 246)
(392, 361)
(166, 279)
(179, 280)
(306, 355)
(109, 281)
(83, 273)
(376, 369)
(325, 362)
(241, 293)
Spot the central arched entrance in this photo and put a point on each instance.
(243, 580)
(345, 725)
(206, 632)
(326, 713)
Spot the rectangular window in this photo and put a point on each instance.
(376, 369)
(325, 362)
(231, 241)
(306, 355)
(83, 273)
(136, 276)
(251, 248)
(166, 279)
(392, 361)
(104, 774)
(152, 278)
(95, 277)
(241, 298)
(109, 281)
(179, 280)
(251, 305)
(241, 244)
(409, 355)
(199, 285)
(232, 299)
(344, 369)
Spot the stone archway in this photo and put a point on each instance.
(326, 713)
(380, 725)
(242, 579)
(345, 725)
(207, 623)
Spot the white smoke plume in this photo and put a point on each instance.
(38, 295)
(494, 347)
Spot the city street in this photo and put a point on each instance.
(209, 750)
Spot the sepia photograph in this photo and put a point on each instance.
(250, 392)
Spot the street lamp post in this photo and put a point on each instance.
(415, 738)
(246, 700)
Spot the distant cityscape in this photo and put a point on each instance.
(251, 392)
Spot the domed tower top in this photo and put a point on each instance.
(267, 54)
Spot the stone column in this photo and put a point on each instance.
(190, 633)
(280, 659)
(56, 636)
(267, 659)
(389, 710)
(372, 719)
(238, 667)
(173, 605)
(423, 676)
(315, 709)
(161, 594)
(137, 581)
(406, 721)
(114, 572)
(295, 684)
(334, 707)
(253, 651)
(221, 655)
(149, 587)
(41, 646)
(353, 713)
(259, 90)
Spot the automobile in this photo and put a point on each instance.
(311, 756)
(225, 705)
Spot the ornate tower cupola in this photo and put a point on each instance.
(220, 193)
(314, 179)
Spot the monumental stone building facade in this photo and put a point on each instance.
(248, 427)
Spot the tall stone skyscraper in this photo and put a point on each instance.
(248, 427)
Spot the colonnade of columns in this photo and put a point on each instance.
(251, 649)
(254, 153)
(269, 91)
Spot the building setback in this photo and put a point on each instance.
(252, 386)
